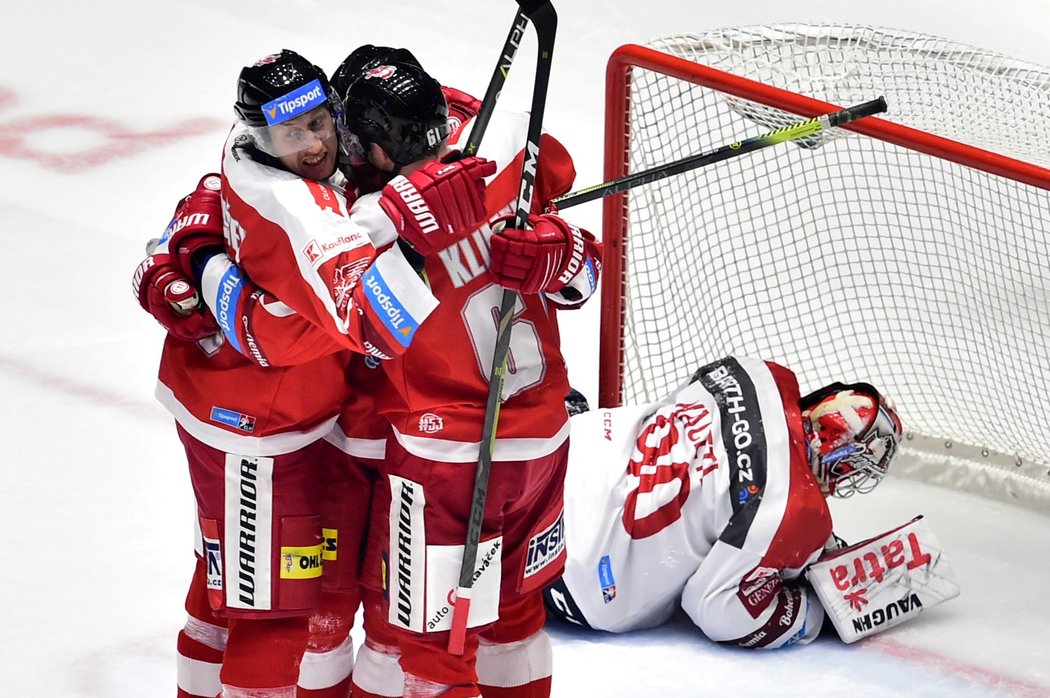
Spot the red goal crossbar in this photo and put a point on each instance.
(617, 141)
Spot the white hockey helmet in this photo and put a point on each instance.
(852, 434)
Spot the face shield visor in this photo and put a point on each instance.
(294, 121)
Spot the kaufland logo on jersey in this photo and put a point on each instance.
(296, 102)
(317, 252)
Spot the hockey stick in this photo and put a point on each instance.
(543, 17)
(810, 127)
(499, 76)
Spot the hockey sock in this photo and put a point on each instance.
(510, 667)
(201, 643)
(329, 658)
(263, 653)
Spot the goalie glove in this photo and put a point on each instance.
(543, 259)
(440, 199)
(883, 581)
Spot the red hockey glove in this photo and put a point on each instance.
(163, 292)
(437, 201)
(197, 225)
(541, 260)
(461, 107)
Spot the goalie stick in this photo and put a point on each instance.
(802, 129)
(543, 17)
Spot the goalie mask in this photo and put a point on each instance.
(852, 435)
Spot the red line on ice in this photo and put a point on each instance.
(960, 668)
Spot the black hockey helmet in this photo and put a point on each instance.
(400, 108)
(279, 87)
(363, 59)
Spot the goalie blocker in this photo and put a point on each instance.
(884, 581)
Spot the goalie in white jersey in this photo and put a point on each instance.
(714, 498)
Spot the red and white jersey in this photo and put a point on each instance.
(440, 385)
(229, 403)
(246, 406)
(296, 238)
(704, 499)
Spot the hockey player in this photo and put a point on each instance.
(436, 412)
(436, 405)
(253, 435)
(714, 499)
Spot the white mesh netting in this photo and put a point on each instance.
(857, 259)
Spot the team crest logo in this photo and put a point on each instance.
(383, 72)
(346, 278)
(430, 423)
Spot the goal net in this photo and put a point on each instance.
(910, 251)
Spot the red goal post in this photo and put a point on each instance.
(913, 255)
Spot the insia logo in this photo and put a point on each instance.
(545, 547)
